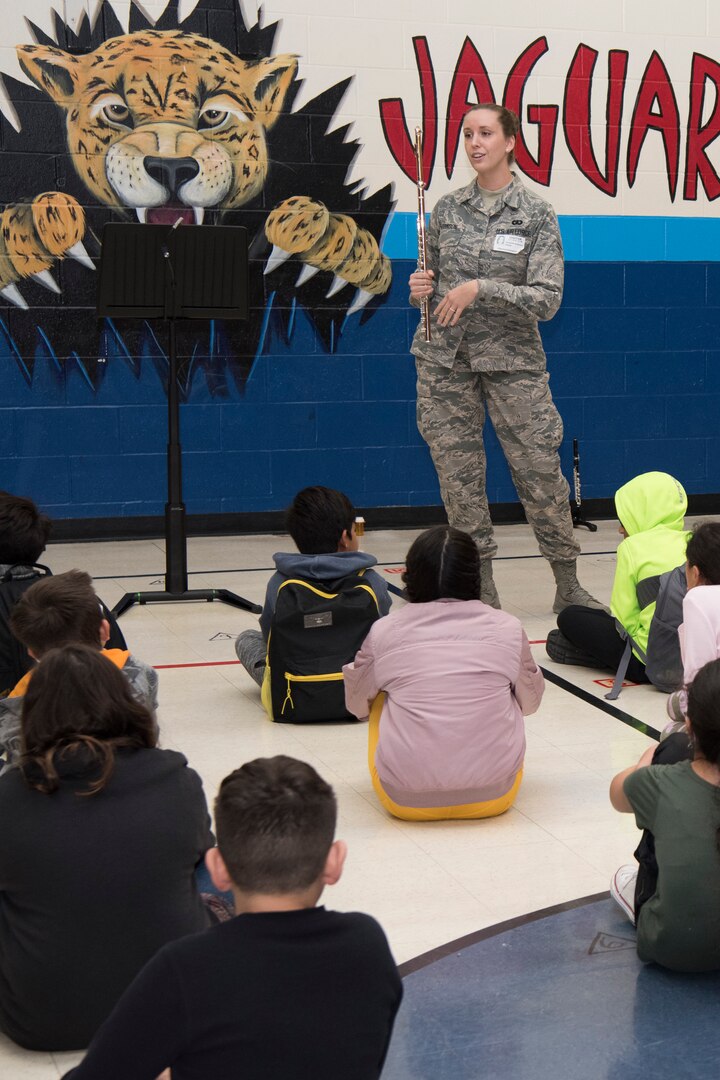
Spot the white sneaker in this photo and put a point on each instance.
(622, 889)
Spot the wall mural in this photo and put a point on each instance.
(163, 122)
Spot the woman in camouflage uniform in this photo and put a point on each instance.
(495, 267)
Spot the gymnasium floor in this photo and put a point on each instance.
(427, 884)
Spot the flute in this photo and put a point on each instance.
(422, 257)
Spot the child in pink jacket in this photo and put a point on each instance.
(446, 682)
(700, 629)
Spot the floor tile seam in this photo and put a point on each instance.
(545, 829)
(497, 903)
(371, 799)
(579, 855)
(601, 775)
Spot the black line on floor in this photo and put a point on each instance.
(271, 569)
(431, 957)
(600, 703)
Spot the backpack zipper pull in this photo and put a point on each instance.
(288, 697)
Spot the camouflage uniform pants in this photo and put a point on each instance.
(451, 413)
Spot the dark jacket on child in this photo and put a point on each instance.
(289, 995)
(91, 887)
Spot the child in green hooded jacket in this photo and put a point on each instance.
(651, 508)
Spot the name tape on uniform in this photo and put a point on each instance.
(509, 242)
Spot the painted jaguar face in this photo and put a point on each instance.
(165, 123)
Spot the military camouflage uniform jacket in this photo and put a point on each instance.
(516, 254)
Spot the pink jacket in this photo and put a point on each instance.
(459, 676)
(700, 631)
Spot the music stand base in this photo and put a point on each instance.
(166, 597)
(581, 523)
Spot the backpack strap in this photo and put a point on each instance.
(647, 592)
(630, 646)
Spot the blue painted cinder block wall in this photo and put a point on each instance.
(634, 358)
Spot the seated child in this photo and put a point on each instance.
(675, 900)
(700, 629)
(64, 610)
(651, 509)
(103, 831)
(24, 532)
(286, 989)
(446, 681)
(321, 522)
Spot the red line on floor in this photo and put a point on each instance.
(202, 663)
(227, 663)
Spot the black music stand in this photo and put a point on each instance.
(171, 273)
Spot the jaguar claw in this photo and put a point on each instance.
(277, 258)
(78, 251)
(306, 273)
(338, 283)
(45, 278)
(362, 297)
(13, 294)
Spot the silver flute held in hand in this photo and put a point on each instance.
(422, 257)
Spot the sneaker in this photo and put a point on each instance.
(673, 728)
(562, 651)
(622, 890)
(677, 706)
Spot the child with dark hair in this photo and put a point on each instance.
(700, 633)
(24, 533)
(321, 522)
(286, 989)
(446, 682)
(673, 897)
(97, 868)
(64, 610)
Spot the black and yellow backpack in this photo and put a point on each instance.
(317, 627)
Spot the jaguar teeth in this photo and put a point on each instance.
(141, 212)
(199, 214)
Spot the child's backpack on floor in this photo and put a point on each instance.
(317, 627)
(662, 659)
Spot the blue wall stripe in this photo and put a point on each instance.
(610, 238)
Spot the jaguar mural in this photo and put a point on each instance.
(161, 124)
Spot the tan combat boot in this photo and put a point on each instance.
(488, 592)
(569, 589)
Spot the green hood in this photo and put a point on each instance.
(649, 500)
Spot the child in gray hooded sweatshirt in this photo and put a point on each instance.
(321, 522)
